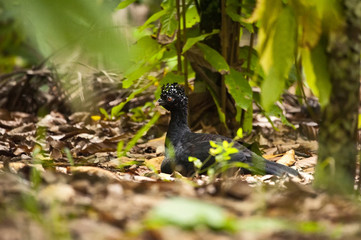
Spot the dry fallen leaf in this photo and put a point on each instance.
(154, 162)
(288, 159)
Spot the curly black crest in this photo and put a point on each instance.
(173, 96)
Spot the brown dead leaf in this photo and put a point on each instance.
(56, 154)
(288, 159)
(95, 171)
(154, 162)
(237, 189)
(86, 228)
(52, 119)
(307, 162)
(9, 124)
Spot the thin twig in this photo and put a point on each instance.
(185, 62)
(224, 54)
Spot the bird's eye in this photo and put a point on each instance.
(169, 99)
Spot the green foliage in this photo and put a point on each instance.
(292, 30)
(14, 52)
(124, 4)
(191, 41)
(190, 214)
(85, 30)
(278, 55)
(277, 112)
(153, 18)
(197, 163)
(214, 58)
(239, 88)
(318, 78)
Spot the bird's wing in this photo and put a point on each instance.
(197, 145)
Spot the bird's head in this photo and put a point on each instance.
(173, 97)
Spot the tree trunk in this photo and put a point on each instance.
(336, 166)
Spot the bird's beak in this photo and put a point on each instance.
(160, 102)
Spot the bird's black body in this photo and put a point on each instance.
(181, 142)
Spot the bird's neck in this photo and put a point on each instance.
(178, 125)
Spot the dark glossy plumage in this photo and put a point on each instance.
(182, 143)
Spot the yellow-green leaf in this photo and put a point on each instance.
(282, 57)
(124, 4)
(317, 76)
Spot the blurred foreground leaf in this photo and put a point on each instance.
(72, 29)
(189, 214)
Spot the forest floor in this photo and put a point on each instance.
(61, 178)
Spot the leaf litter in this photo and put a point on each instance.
(62, 178)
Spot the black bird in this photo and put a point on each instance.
(181, 142)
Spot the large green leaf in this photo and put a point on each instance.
(144, 49)
(239, 88)
(153, 18)
(309, 22)
(281, 45)
(317, 76)
(192, 16)
(168, 21)
(232, 9)
(191, 41)
(124, 4)
(214, 58)
(146, 53)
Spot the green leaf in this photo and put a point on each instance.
(232, 7)
(277, 112)
(225, 144)
(213, 144)
(232, 150)
(196, 162)
(192, 16)
(145, 49)
(240, 133)
(104, 112)
(214, 58)
(192, 159)
(280, 57)
(239, 88)
(190, 214)
(191, 41)
(124, 4)
(310, 21)
(168, 20)
(215, 151)
(248, 119)
(316, 70)
(153, 18)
